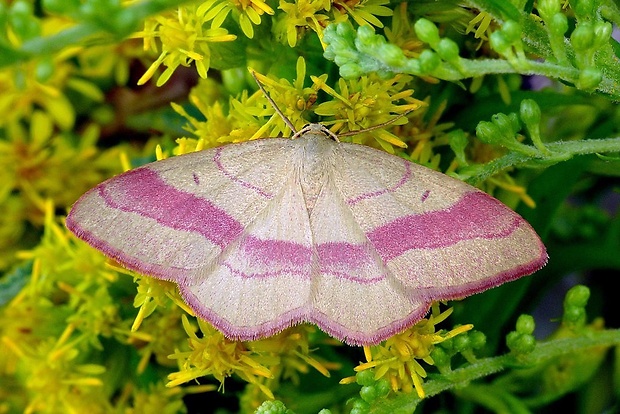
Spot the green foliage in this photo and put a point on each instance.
(517, 97)
(585, 59)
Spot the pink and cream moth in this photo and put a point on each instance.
(265, 234)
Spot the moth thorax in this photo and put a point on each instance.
(316, 159)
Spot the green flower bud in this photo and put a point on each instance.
(365, 377)
(441, 358)
(382, 387)
(448, 50)
(488, 132)
(525, 324)
(125, 22)
(584, 8)
(526, 344)
(337, 37)
(23, 22)
(21, 8)
(427, 32)
(558, 24)
(458, 142)
(499, 43)
(520, 343)
(501, 131)
(547, 8)
(350, 71)
(582, 37)
(508, 124)
(61, 6)
(590, 78)
(359, 406)
(273, 407)
(477, 339)
(368, 393)
(530, 112)
(461, 342)
(574, 315)
(89, 9)
(602, 32)
(512, 31)
(393, 55)
(575, 303)
(530, 115)
(429, 61)
(577, 296)
(366, 34)
(345, 29)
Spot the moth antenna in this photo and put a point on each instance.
(378, 126)
(273, 104)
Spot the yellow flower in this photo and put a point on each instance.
(300, 16)
(482, 153)
(43, 82)
(151, 293)
(41, 163)
(156, 398)
(505, 182)
(12, 228)
(364, 11)
(213, 354)
(288, 353)
(55, 379)
(110, 61)
(159, 337)
(396, 358)
(250, 117)
(23, 90)
(217, 126)
(481, 23)
(292, 100)
(183, 39)
(365, 103)
(248, 12)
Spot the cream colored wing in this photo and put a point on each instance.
(397, 236)
(171, 217)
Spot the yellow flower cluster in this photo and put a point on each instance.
(184, 39)
(396, 358)
(261, 363)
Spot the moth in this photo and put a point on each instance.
(264, 234)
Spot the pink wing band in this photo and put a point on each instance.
(269, 258)
(475, 215)
(143, 192)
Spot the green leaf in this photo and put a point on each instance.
(501, 9)
(13, 282)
